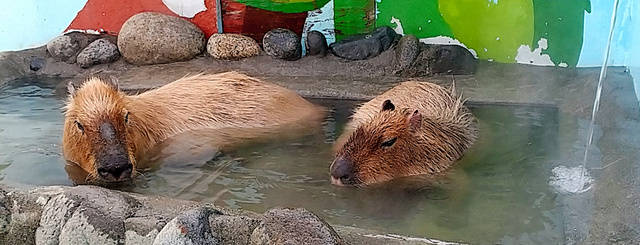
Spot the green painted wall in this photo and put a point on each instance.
(418, 17)
(352, 17)
(494, 30)
(285, 6)
(562, 24)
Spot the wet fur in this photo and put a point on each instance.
(427, 146)
(220, 101)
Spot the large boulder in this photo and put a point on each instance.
(282, 44)
(316, 44)
(232, 46)
(98, 52)
(365, 46)
(154, 38)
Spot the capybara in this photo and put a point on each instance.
(415, 128)
(107, 131)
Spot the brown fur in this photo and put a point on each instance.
(431, 126)
(220, 101)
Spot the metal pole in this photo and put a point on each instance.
(219, 16)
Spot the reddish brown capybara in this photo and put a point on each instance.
(106, 131)
(413, 129)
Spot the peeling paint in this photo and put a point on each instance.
(447, 41)
(527, 56)
(185, 8)
(398, 29)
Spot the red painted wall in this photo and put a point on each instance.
(109, 15)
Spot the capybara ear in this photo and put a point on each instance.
(415, 120)
(388, 106)
(71, 88)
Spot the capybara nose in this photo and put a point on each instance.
(342, 171)
(117, 172)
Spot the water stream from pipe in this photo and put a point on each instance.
(596, 103)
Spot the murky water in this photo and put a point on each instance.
(499, 192)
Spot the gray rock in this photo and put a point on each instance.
(358, 49)
(386, 35)
(442, 59)
(316, 44)
(36, 63)
(293, 226)
(133, 237)
(234, 229)
(74, 217)
(94, 215)
(5, 214)
(282, 44)
(100, 51)
(232, 46)
(78, 229)
(63, 48)
(190, 227)
(66, 47)
(406, 52)
(154, 38)
(365, 46)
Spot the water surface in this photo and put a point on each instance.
(499, 192)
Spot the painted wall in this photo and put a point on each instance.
(539, 32)
(634, 49)
(31, 23)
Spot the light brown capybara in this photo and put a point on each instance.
(413, 129)
(106, 131)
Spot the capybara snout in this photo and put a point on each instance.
(112, 157)
(342, 172)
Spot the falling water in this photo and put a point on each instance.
(596, 102)
(577, 179)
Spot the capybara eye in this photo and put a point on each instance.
(126, 117)
(80, 127)
(389, 142)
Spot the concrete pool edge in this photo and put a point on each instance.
(92, 215)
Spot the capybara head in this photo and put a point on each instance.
(383, 148)
(95, 131)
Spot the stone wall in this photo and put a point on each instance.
(95, 215)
